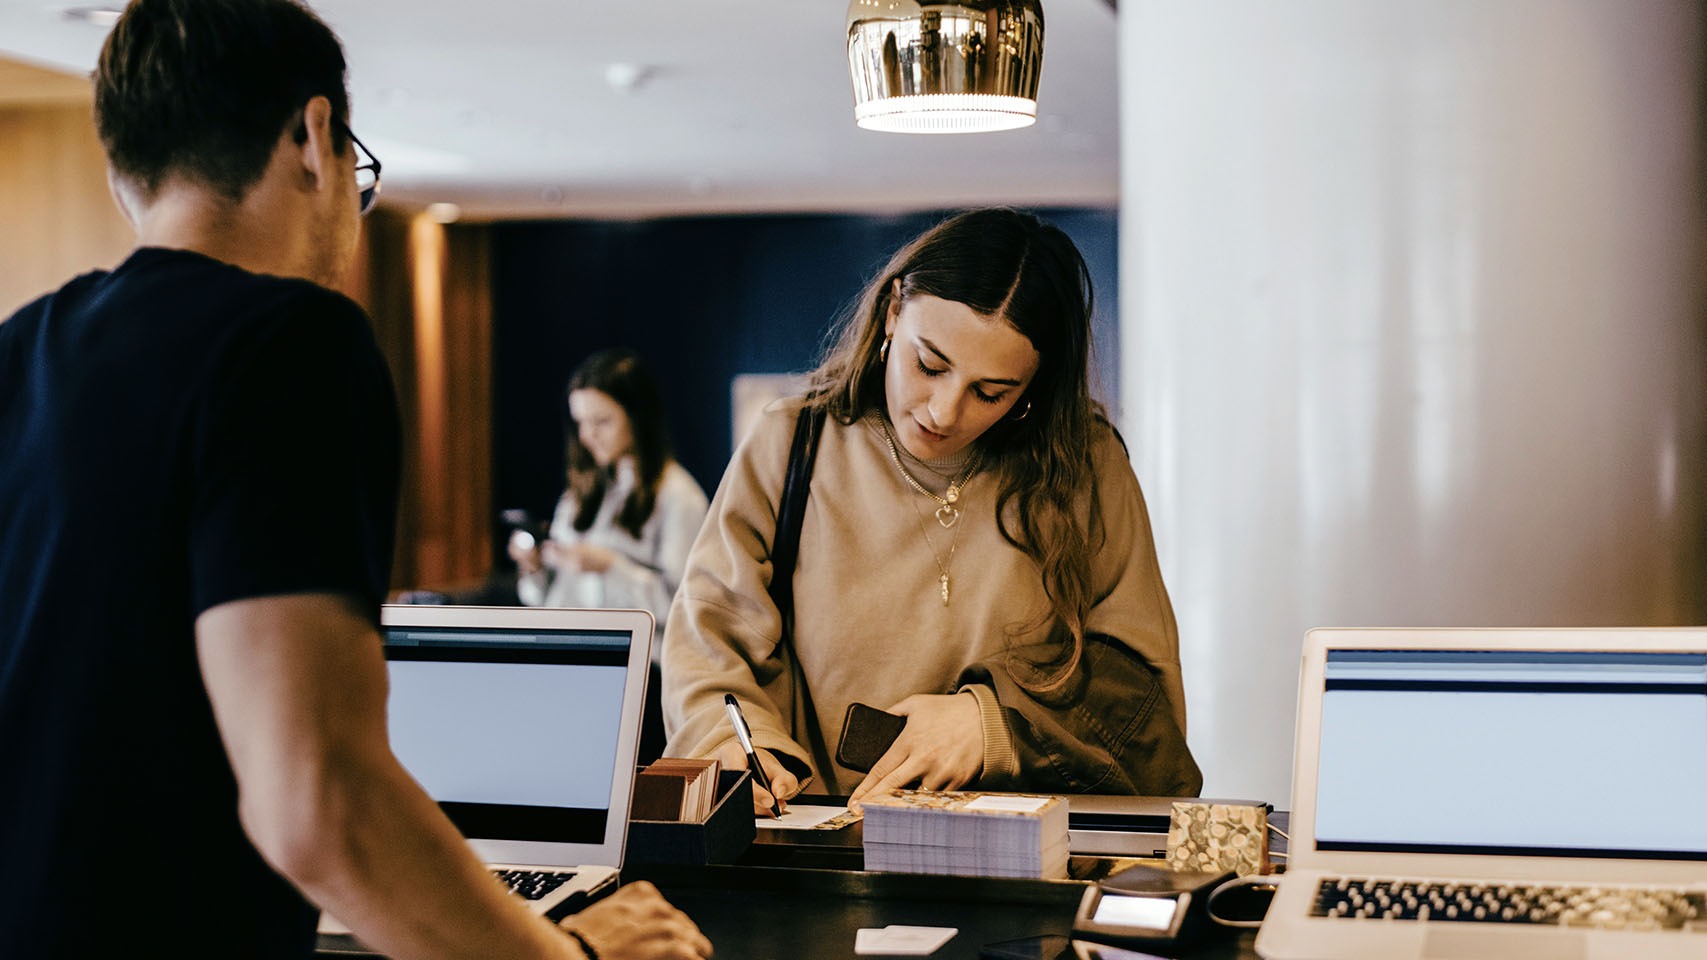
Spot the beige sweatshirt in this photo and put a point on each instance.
(870, 624)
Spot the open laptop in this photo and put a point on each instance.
(1511, 793)
(523, 723)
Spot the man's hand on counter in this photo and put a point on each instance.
(637, 923)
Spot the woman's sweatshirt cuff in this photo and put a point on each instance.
(1001, 763)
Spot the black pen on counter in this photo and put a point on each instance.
(744, 734)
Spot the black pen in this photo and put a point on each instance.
(745, 735)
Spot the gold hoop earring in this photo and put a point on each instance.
(883, 351)
(1023, 413)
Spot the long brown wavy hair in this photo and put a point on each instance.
(1008, 264)
(621, 375)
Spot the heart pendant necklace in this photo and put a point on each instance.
(947, 511)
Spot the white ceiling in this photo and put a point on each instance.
(504, 107)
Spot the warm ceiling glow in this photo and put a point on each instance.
(946, 113)
(967, 66)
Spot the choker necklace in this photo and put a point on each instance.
(947, 513)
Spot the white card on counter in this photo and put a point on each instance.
(902, 941)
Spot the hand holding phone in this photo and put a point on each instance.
(525, 537)
(867, 733)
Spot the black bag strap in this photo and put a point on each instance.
(785, 551)
(791, 512)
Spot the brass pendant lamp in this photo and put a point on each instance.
(958, 67)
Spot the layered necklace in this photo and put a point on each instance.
(947, 511)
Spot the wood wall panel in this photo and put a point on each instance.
(27, 85)
(427, 288)
(467, 316)
(57, 219)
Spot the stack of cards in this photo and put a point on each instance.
(966, 833)
(675, 789)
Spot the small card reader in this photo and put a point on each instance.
(1147, 907)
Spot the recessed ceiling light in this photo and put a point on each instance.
(627, 77)
(103, 17)
(443, 212)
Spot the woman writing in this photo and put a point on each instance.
(621, 532)
(975, 553)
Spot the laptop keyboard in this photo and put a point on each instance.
(533, 884)
(1620, 908)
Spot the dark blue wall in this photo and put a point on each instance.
(703, 299)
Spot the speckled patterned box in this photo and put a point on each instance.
(1212, 837)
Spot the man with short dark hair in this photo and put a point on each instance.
(198, 488)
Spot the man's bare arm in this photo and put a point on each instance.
(298, 686)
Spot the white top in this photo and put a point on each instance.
(647, 569)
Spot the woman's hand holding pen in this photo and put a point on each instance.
(941, 748)
(784, 783)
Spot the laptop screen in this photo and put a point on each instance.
(1522, 753)
(515, 731)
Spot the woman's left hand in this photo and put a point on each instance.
(584, 557)
(941, 748)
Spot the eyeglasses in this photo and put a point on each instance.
(367, 171)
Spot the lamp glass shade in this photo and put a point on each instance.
(961, 67)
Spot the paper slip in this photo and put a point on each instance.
(901, 941)
(801, 816)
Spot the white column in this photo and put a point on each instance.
(1412, 310)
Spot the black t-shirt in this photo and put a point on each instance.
(174, 434)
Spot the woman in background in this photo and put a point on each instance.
(621, 532)
(975, 553)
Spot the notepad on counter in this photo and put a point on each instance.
(802, 816)
(967, 833)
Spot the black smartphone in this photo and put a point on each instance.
(524, 529)
(1053, 946)
(867, 733)
(1050, 946)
